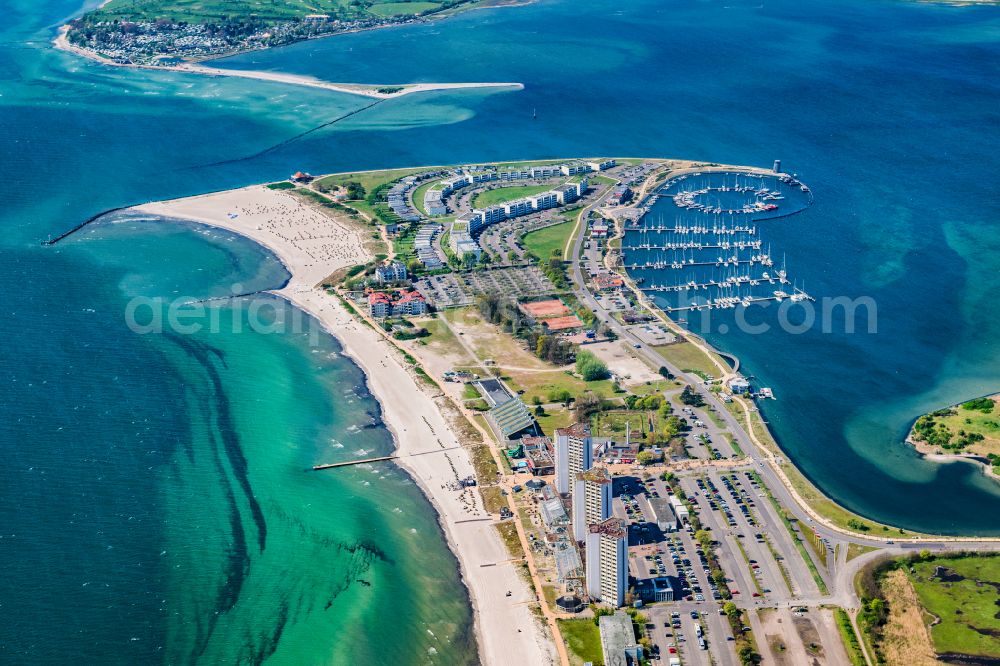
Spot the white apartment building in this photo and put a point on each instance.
(574, 454)
(607, 561)
(591, 500)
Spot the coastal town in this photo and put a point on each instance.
(158, 34)
(620, 461)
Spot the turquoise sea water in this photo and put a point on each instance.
(154, 503)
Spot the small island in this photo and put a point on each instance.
(970, 430)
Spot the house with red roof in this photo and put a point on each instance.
(410, 303)
(382, 304)
(379, 305)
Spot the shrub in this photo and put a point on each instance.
(984, 405)
(590, 367)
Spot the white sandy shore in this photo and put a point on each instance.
(312, 246)
(363, 89)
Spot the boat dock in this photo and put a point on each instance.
(729, 302)
(762, 260)
(716, 229)
(695, 245)
(727, 283)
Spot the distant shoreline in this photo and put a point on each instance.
(373, 90)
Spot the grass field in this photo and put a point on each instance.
(203, 11)
(368, 179)
(966, 602)
(401, 8)
(855, 549)
(555, 418)
(548, 241)
(541, 384)
(418, 195)
(505, 194)
(686, 356)
(612, 423)
(583, 639)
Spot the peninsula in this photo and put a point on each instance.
(968, 431)
(155, 32)
(584, 452)
(178, 37)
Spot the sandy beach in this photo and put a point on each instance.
(312, 245)
(363, 89)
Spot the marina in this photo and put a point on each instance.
(698, 247)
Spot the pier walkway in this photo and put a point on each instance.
(361, 461)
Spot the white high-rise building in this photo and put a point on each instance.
(574, 454)
(591, 500)
(607, 561)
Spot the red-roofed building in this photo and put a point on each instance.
(379, 305)
(608, 282)
(382, 304)
(302, 177)
(410, 303)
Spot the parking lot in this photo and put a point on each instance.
(764, 564)
(460, 289)
(690, 627)
(704, 439)
(652, 334)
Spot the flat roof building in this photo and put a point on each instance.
(538, 452)
(553, 513)
(591, 500)
(607, 561)
(618, 640)
(663, 514)
(679, 509)
(574, 454)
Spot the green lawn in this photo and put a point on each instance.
(505, 194)
(687, 357)
(368, 179)
(545, 242)
(400, 8)
(583, 639)
(967, 608)
(541, 384)
(555, 418)
(418, 195)
(612, 423)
